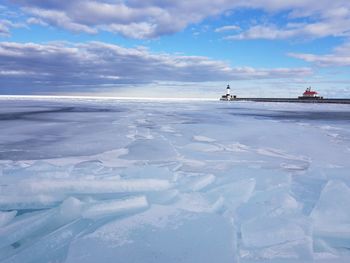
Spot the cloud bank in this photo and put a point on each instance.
(145, 19)
(96, 64)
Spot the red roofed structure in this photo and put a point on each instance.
(310, 94)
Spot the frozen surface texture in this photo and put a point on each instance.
(136, 181)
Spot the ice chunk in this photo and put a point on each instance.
(52, 247)
(147, 171)
(196, 202)
(306, 190)
(89, 167)
(161, 234)
(267, 231)
(163, 197)
(200, 138)
(69, 210)
(264, 178)
(236, 147)
(292, 252)
(29, 201)
(295, 165)
(202, 147)
(115, 207)
(276, 238)
(6, 217)
(235, 193)
(37, 169)
(33, 225)
(275, 201)
(331, 215)
(24, 225)
(167, 128)
(203, 182)
(193, 181)
(92, 169)
(339, 174)
(93, 186)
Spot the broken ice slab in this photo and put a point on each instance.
(264, 178)
(146, 171)
(267, 231)
(31, 226)
(160, 234)
(24, 226)
(115, 207)
(233, 194)
(6, 217)
(72, 208)
(37, 169)
(340, 174)
(277, 238)
(331, 215)
(93, 169)
(163, 197)
(275, 201)
(87, 167)
(52, 247)
(202, 182)
(202, 147)
(197, 202)
(296, 251)
(194, 181)
(75, 186)
(201, 138)
(17, 201)
(306, 189)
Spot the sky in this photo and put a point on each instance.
(170, 48)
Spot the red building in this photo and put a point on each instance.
(310, 94)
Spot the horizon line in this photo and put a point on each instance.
(103, 97)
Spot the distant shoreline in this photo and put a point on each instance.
(49, 97)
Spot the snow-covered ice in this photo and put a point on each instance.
(166, 181)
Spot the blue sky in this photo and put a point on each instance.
(174, 48)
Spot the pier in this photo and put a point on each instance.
(293, 100)
(309, 96)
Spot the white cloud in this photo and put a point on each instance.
(60, 19)
(339, 57)
(36, 21)
(297, 30)
(135, 19)
(326, 18)
(6, 25)
(227, 28)
(153, 18)
(96, 64)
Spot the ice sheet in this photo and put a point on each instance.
(106, 180)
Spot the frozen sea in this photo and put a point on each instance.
(89, 180)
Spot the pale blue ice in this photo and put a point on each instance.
(166, 181)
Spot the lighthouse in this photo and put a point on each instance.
(228, 95)
(228, 91)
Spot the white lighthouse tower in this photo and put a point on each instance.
(228, 95)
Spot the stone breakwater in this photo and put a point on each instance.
(336, 101)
